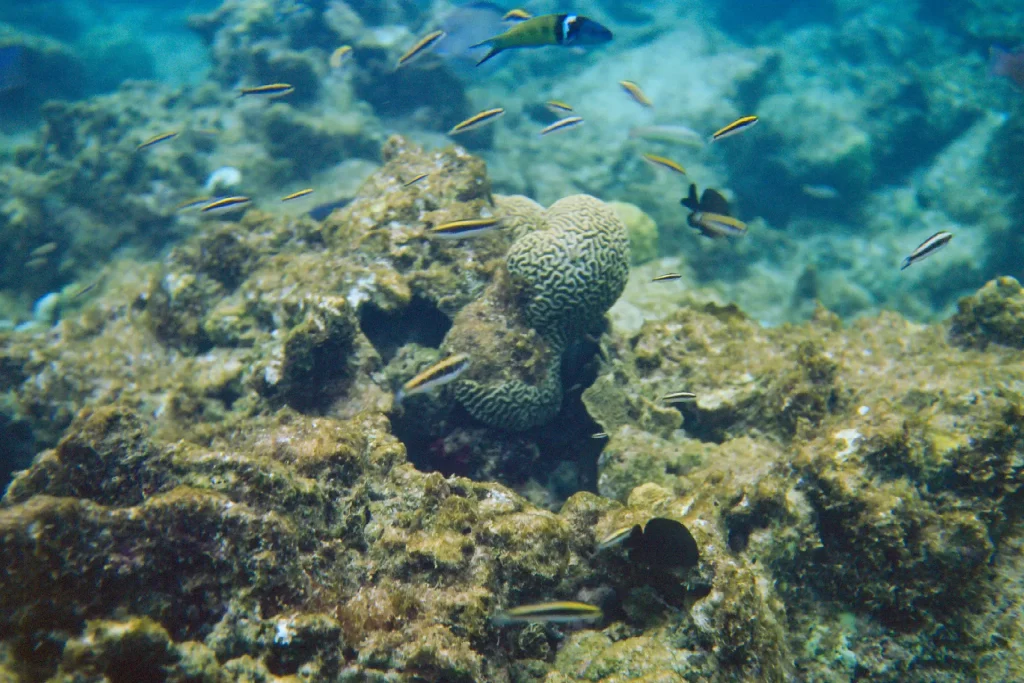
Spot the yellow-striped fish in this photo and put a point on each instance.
(735, 128)
(422, 47)
(664, 163)
(619, 536)
(340, 56)
(270, 91)
(563, 124)
(717, 224)
(436, 375)
(157, 139)
(195, 203)
(634, 91)
(667, 277)
(679, 397)
(415, 180)
(516, 15)
(226, 205)
(549, 29)
(477, 120)
(558, 107)
(562, 611)
(466, 228)
(296, 195)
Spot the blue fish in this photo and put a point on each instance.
(12, 67)
(466, 26)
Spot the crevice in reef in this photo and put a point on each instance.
(421, 322)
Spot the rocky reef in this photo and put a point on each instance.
(225, 489)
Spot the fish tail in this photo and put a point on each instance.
(494, 52)
(906, 263)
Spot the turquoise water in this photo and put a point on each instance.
(880, 125)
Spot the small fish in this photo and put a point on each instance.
(927, 248)
(436, 375)
(717, 224)
(679, 397)
(86, 289)
(477, 120)
(663, 162)
(619, 536)
(37, 263)
(667, 277)
(562, 612)
(634, 91)
(193, 203)
(735, 128)
(557, 107)
(340, 56)
(272, 90)
(43, 249)
(225, 205)
(516, 15)
(1007, 63)
(599, 435)
(467, 228)
(549, 29)
(415, 180)
(423, 46)
(296, 195)
(157, 139)
(563, 124)
(668, 133)
(820, 191)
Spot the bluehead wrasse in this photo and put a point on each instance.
(666, 277)
(679, 397)
(735, 128)
(634, 91)
(820, 191)
(477, 120)
(157, 139)
(549, 29)
(422, 47)
(225, 205)
(467, 228)
(665, 163)
(436, 375)
(340, 56)
(927, 248)
(296, 195)
(515, 15)
(618, 537)
(415, 180)
(599, 435)
(193, 203)
(271, 90)
(43, 249)
(668, 133)
(563, 124)
(717, 224)
(558, 107)
(563, 612)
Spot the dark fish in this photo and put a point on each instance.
(322, 211)
(664, 543)
(549, 29)
(927, 248)
(1008, 63)
(710, 214)
(12, 67)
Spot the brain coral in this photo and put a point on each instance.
(567, 274)
(567, 266)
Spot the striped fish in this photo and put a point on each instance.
(415, 180)
(735, 128)
(667, 277)
(679, 397)
(273, 90)
(157, 139)
(472, 227)
(225, 205)
(717, 224)
(634, 91)
(438, 374)
(340, 56)
(619, 536)
(477, 120)
(563, 124)
(661, 162)
(558, 107)
(296, 195)
(927, 248)
(422, 47)
(562, 612)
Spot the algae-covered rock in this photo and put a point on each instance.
(994, 314)
(643, 231)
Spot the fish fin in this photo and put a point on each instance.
(713, 201)
(906, 263)
(493, 53)
(690, 202)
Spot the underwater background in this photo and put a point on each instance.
(395, 340)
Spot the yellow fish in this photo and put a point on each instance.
(422, 47)
(156, 139)
(273, 90)
(735, 128)
(340, 56)
(477, 120)
(664, 163)
(634, 91)
(296, 195)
